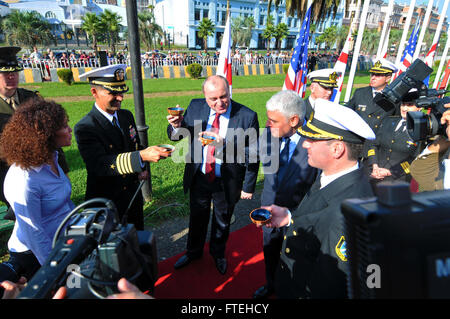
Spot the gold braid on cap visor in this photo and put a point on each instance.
(107, 85)
(321, 134)
(11, 69)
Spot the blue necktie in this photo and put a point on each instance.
(284, 159)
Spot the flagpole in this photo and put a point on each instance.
(385, 28)
(423, 30)
(436, 39)
(441, 64)
(362, 24)
(401, 47)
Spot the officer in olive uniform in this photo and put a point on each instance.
(313, 261)
(11, 96)
(362, 101)
(322, 84)
(109, 144)
(391, 154)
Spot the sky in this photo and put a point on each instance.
(440, 4)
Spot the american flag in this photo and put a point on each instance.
(296, 76)
(407, 57)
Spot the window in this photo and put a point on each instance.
(205, 13)
(50, 15)
(197, 15)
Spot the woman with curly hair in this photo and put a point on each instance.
(35, 186)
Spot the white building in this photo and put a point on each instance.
(180, 19)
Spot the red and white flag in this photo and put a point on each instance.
(224, 64)
(340, 67)
(429, 58)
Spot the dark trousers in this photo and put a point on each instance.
(272, 243)
(201, 194)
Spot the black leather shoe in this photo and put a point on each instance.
(263, 293)
(221, 265)
(183, 261)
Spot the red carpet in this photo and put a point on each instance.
(201, 280)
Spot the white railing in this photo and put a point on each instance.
(168, 61)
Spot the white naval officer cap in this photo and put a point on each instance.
(383, 66)
(325, 77)
(332, 121)
(110, 77)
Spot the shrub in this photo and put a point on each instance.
(65, 75)
(285, 68)
(194, 70)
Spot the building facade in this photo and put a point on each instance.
(180, 19)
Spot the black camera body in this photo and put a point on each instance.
(93, 254)
(420, 126)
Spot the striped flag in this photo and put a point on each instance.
(442, 85)
(224, 63)
(407, 57)
(296, 76)
(340, 67)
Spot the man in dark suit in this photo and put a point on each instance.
(222, 173)
(322, 84)
(287, 175)
(313, 258)
(110, 147)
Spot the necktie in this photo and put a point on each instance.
(114, 122)
(284, 159)
(11, 103)
(210, 167)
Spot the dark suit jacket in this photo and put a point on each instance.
(239, 168)
(296, 181)
(111, 158)
(309, 109)
(363, 104)
(310, 263)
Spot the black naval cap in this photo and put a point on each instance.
(8, 59)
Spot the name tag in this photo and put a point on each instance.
(361, 108)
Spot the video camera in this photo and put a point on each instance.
(420, 125)
(95, 251)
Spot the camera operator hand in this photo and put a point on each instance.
(128, 291)
(445, 119)
(12, 289)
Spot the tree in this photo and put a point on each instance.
(93, 27)
(111, 22)
(27, 28)
(205, 29)
(269, 31)
(149, 30)
(321, 9)
(370, 41)
(281, 32)
(241, 30)
(341, 37)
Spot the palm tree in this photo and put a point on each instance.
(27, 28)
(111, 21)
(269, 31)
(370, 41)
(281, 32)
(205, 29)
(241, 30)
(321, 9)
(149, 30)
(93, 27)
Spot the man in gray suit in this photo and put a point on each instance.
(287, 175)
